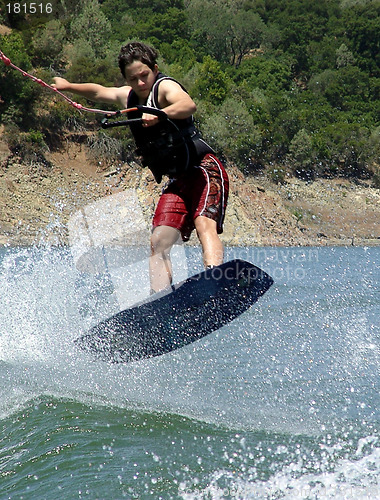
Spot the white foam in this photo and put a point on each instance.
(347, 479)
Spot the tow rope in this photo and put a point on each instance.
(76, 105)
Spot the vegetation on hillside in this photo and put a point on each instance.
(287, 86)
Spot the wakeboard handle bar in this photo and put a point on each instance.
(143, 109)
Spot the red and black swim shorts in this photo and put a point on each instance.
(202, 191)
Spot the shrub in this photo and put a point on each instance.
(302, 155)
(211, 84)
(29, 146)
(231, 130)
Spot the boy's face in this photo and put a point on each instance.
(141, 78)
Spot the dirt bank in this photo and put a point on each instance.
(37, 202)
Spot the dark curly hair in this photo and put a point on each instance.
(137, 51)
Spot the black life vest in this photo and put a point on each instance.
(171, 146)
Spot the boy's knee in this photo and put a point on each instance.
(204, 225)
(163, 238)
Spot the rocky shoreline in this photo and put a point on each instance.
(37, 202)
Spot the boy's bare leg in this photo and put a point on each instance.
(160, 267)
(212, 247)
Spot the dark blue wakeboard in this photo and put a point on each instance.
(167, 321)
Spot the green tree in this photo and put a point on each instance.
(266, 73)
(48, 42)
(225, 30)
(156, 20)
(300, 23)
(313, 110)
(211, 85)
(344, 149)
(180, 54)
(17, 92)
(302, 154)
(97, 70)
(344, 57)
(93, 26)
(231, 130)
(168, 27)
(362, 24)
(209, 23)
(246, 33)
(342, 87)
(322, 54)
(157, 6)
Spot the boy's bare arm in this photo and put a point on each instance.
(175, 101)
(94, 91)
